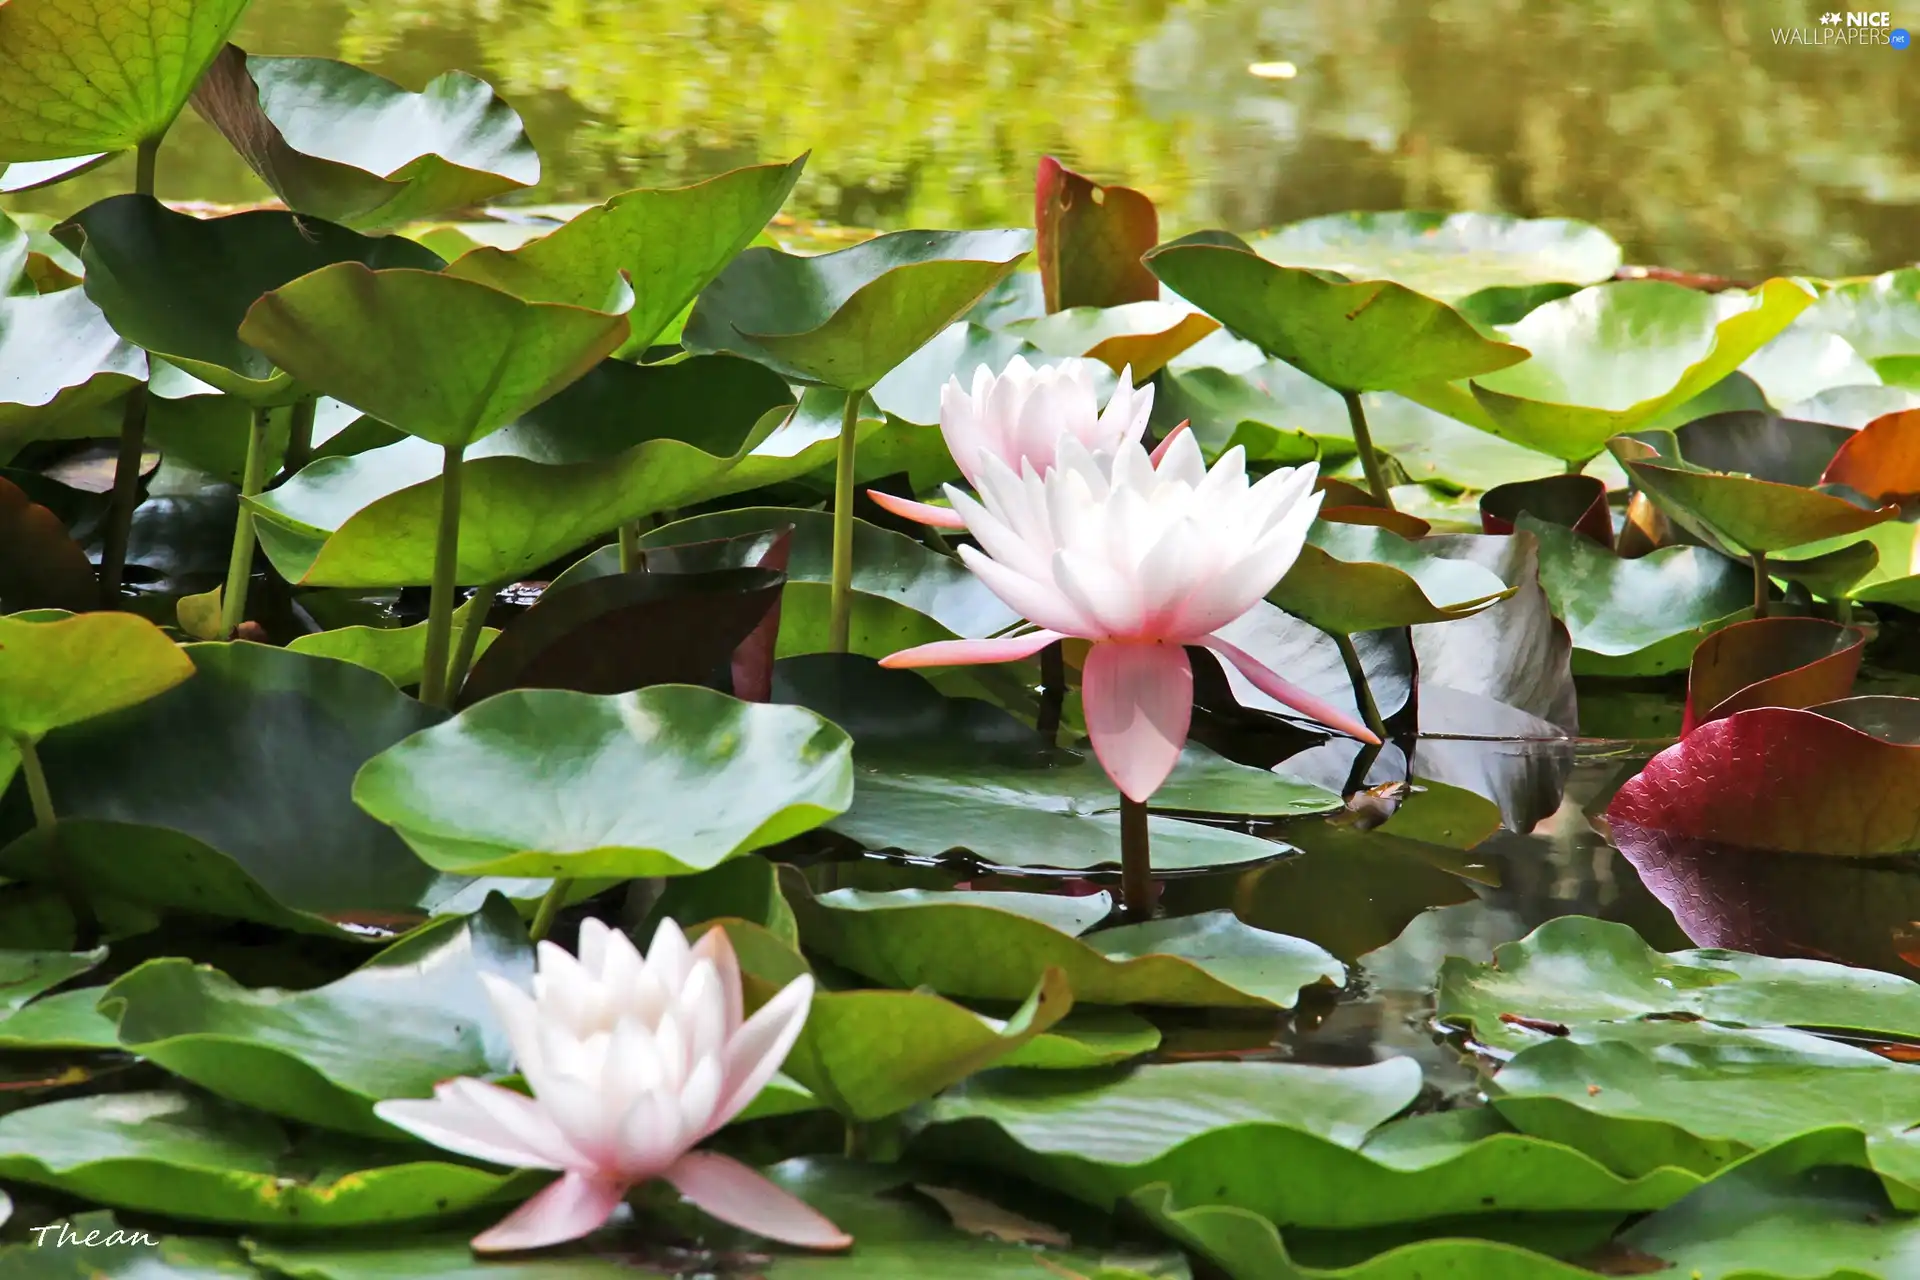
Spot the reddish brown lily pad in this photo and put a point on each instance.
(1576, 502)
(1842, 780)
(1346, 503)
(1090, 240)
(41, 567)
(1881, 460)
(1771, 662)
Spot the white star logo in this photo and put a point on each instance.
(1829, 19)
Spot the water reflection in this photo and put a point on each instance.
(1685, 130)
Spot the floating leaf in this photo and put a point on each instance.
(623, 443)
(625, 632)
(1612, 358)
(1788, 780)
(1576, 502)
(1639, 617)
(1354, 336)
(1219, 1130)
(669, 243)
(172, 1154)
(181, 286)
(441, 358)
(1352, 578)
(1771, 662)
(665, 781)
(342, 143)
(184, 802)
(1091, 239)
(1879, 317)
(86, 76)
(1881, 460)
(1447, 256)
(41, 566)
(1027, 804)
(1771, 506)
(984, 946)
(1142, 336)
(845, 319)
(398, 653)
(297, 1054)
(60, 364)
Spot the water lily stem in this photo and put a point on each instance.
(1761, 584)
(1843, 611)
(1136, 863)
(629, 546)
(233, 600)
(133, 438)
(1363, 441)
(37, 792)
(1577, 468)
(1362, 691)
(549, 908)
(1053, 691)
(476, 622)
(86, 926)
(300, 435)
(446, 569)
(840, 629)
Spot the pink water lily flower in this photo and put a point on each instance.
(632, 1061)
(1142, 561)
(1022, 415)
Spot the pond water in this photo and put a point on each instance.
(1703, 136)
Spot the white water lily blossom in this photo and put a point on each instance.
(632, 1061)
(1022, 415)
(1142, 560)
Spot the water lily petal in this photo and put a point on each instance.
(1160, 450)
(1139, 704)
(741, 1197)
(570, 1208)
(485, 1121)
(764, 1040)
(715, 946)
(1299, 699)
(962, 653)
(918, 512)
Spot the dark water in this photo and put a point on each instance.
(1696, 133)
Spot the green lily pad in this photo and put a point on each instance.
(1878, 316)
(75, 668)
(1447, 256)
(939, 774)
(1639, 617)
(665, 781)
(86, 76)
(898, 1232)
(1663, 1094)
(1768, 504)
(339, 142)
(1353, 578)
(845, 319)
(1806, 360)
(623, 443)
(982, 946)
(1610, 359)
(1142, 336)
(64, 1020)
(185, 802)
(1583, 973)
(1090, 240)
(61, 364)
(875, 1053)
(25, 975)
(181, 286)
(1218, 1131)
(669, 243)
(94, 1246)
(33, 174)
(398, 653)
(1354, 336)
(444, 359)
(199, 1160)
(301, 1054)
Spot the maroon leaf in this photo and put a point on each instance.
(1575, 502)
(1881, 460)
(41, 567)
(765, 549)
(1771, 662)
(1090, 240)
